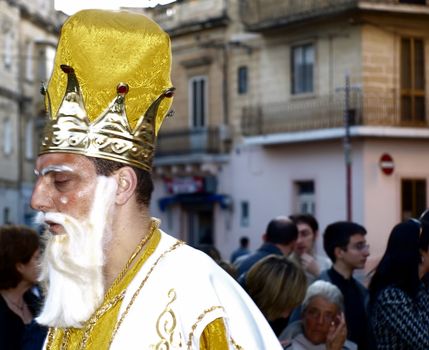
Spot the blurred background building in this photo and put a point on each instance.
(28, 36)
(267, 91)
(315, 106)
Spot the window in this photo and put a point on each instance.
(6, 216)
(302, 65)
(412, 80)
(305, 197)
(242, 80)
(8, 49)
(198, 101)
(413, 198)
(45, 62)
(244, 214)
(29, 154)
(29, 61)
(49, 60)
(7, 137)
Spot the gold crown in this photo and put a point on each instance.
(97, 51)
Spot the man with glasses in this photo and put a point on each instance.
(346, 246)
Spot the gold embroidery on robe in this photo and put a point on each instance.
(166, 326)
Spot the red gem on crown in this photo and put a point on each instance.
(122, 88)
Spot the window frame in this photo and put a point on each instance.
(29, 140)
(244, 213)
(198, 121)
(7, 146)
(302, 79)
(415, 211)
(305, 193)
(29, 60)
(242, 80)
(411, 92)
(8, 47)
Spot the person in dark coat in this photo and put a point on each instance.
(399, 300)
(279, 238)
(345, 244)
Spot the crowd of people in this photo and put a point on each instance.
(309, 303)
(110, 278)
(322, 304)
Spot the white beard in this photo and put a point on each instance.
(72, 264)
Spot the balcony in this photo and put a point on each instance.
(328, 112)
(259, 15)
(189, 15)
(210, 140)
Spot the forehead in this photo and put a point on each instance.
(75, 162)
(304, 226)
(358, 237)
(321, 303)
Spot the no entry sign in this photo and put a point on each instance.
(386, 164)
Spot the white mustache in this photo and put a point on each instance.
(42, 218)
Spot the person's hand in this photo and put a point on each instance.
(337, 334)
(310, 264)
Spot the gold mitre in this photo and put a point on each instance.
(107, 60)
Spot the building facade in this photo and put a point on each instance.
(28, 36)
(284, 107)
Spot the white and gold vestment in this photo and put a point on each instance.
(174, 297)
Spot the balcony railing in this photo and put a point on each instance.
(260, 14)
(208, 140)
(326, 112)
(177, 15)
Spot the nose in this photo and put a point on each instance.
(366, 251)
(40, 198)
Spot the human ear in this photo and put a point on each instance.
(127, 182)
(19, 267)
(338, 252)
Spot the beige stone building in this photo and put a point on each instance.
(28, 35)
(259, 127)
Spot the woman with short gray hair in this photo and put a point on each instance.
(324, 289)
(322, 324)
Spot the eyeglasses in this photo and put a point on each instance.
(360, 246)
(315, 314)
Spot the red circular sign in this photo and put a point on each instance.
(386, 164)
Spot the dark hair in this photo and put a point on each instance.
(338, 234)
(399, 265)
(424, 238)
(308, 219)
(214, 253)
(17, 245)
(244, 241)
(281, 230)
(144, 187)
